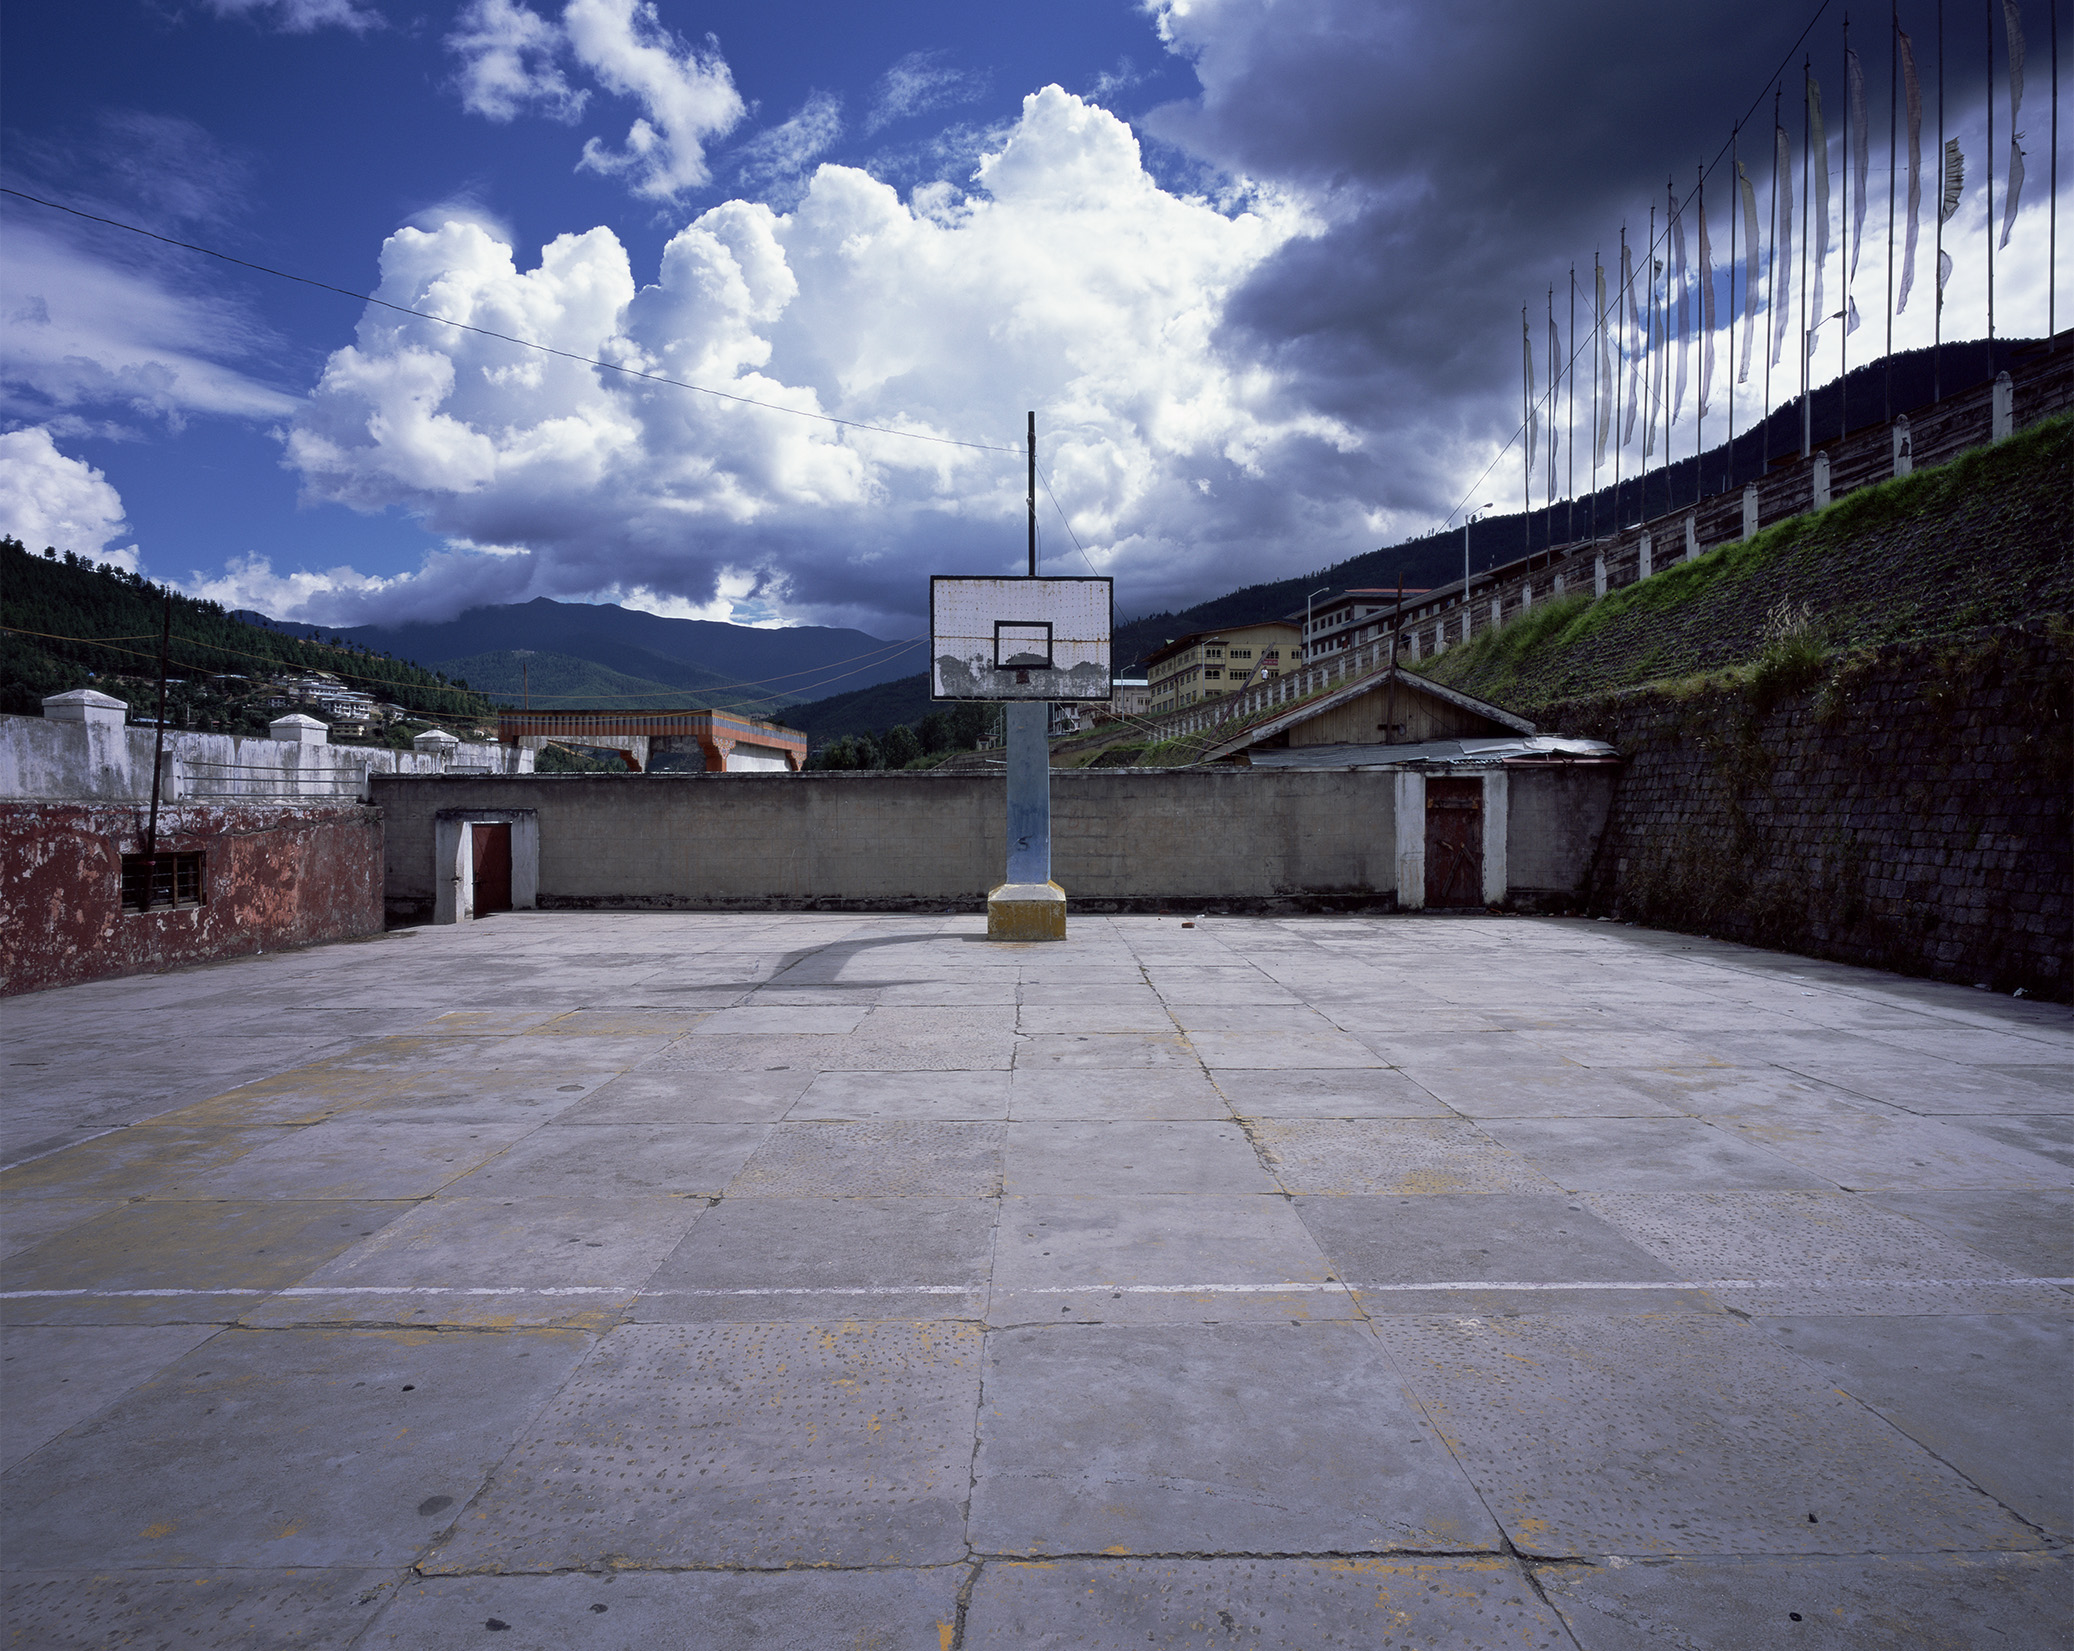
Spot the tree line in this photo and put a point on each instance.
(922, 744)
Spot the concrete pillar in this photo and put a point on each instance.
(1821, 481)
(1028, 905)
(1750, 511)
(1643, 567)
(1497, 611)
(87, 705)
(1904, 447)
(1692, 535)
(1496, 793)
(2004, 409)
(1411, 841)
(1526, 596)
(1468, 618)
(297, 729)
(1598, 576)
(1558, 590)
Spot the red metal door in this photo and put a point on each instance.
(492, 868)
(1454, 842)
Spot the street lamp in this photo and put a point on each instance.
(1320, 591)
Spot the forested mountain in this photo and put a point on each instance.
(68, 623)
(674, 661)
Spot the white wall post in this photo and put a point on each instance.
(453, 872)
(1750, 511)
(1904, 447)
(1643, 566)
(1598, 576)
(1411, 841)
(2004, 408)
(1496, 791)
(1821, 481)
(1692, 535)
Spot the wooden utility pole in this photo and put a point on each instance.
(1033, 494)
(158, 754)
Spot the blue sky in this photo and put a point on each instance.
(1252, 263)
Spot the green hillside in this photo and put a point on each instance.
(67, 623)
(1984, 540)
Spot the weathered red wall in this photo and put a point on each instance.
(284, 877)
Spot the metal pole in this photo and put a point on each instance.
(1570, 433)
(1937, 309)
(158, 753)
(1771, 300)
(1893, 166)
(1807, 135)
(2052, 196)
(1987, 16)
(1033, 494)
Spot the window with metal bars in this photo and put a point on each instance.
(166, 882)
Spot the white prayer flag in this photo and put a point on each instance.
(1681, 283)
(1750, 258)
(2013, 26)
(1818, 254)
(1782, 239)
(1914, 97)
(1706, 316)
(1602, 402)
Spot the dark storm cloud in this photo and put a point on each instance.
(1467, 157)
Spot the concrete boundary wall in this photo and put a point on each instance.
(46, 760)
(1121, 838)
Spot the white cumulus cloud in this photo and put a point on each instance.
(688, 95)
(1067, 281)
(511, 64)
(301, 16)
(47, 499)
(508, 63)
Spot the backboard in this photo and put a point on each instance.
(1002, 638)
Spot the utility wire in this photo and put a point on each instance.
(508, 338)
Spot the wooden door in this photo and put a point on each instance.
(1454, 842)
(492, 868)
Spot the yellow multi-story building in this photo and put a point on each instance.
(1203, 665)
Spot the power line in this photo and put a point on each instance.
(508, 338)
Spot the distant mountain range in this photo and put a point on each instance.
(580, 654)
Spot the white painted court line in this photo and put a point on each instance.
(1290, 1288)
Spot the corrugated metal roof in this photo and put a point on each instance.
(1521, 748)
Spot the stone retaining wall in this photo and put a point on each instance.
(1906, 807)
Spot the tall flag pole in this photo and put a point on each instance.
(1706, 321)
(1624, 357)
(1912, 92)
(1945, 206)
(2052, 195)
(1893, 172)
(1782, 247)
(1742, 190)
(1527, 445)
(1861, 158)
(1681, 283)
(1555, 390)
(1570, 434)
(1599, 386)
(1807, 87)
(1854, 155)
(1818, 247)
(2012, 192)
(1652, 366)
(1987, 15)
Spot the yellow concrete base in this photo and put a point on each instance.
(1026, 911)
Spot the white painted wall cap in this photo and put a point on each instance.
(298, 729)
(434, 739)
(85, 705)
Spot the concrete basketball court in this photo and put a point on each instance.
(827, 1280)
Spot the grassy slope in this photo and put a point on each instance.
(1983, 540)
